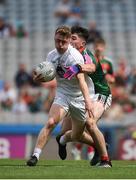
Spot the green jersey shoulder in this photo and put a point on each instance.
(107, 65)
(98, 77)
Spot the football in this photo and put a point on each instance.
(47, 70)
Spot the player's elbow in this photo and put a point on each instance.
(93, 69)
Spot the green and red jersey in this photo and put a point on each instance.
(98, 77)
(106, 66)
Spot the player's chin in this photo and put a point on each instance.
(61, 50)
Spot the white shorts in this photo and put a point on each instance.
(106, 100)
(75, 106)
(99, 104)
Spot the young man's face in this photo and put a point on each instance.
(61, 43)
(77, 42)
(99, 48)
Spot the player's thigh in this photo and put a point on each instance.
(77, 109)
(98, 110)
(77, 129)
(59, 108)
(66, 124)
(56, 113)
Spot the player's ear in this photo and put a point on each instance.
(83, 43)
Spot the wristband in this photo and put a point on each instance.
(79, 67)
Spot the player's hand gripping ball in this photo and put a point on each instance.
(44, 72)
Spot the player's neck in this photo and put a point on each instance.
(81, 49)
(99, 56)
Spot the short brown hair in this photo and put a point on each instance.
(64, 31)
(100, 41)
(80, 31)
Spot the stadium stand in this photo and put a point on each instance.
(116, 20)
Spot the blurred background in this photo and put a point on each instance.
(26, 36)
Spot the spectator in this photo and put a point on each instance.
(36, 103)
(20, 106)
(122, 73)
(133, 77)
(75, 15)
(116, 114)
(21, 32)
(6, 30)
(94, 33)
(62, 11)
(122, 97)
(26, 95)
(22, 77)
(8, 96)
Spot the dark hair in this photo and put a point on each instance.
(100, 41)
(80, 31)
(64, 31)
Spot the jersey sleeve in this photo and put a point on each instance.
(76, 58)
(94, 61)
(80, 59)
(49, 57)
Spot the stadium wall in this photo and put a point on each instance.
(17, 142)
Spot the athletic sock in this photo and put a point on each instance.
(62, 140)
(104, 158)
(37, 152)
(90, 149)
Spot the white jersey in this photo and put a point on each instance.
(61, 61)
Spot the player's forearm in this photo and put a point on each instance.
(87, 68)
(83, 87)
(85, 92)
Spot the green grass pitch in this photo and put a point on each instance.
(68, 169)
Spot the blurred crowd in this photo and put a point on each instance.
(69, 12)
(123, 92)
(8, 30)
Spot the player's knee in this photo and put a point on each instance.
(51, 123)
(91, 126)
